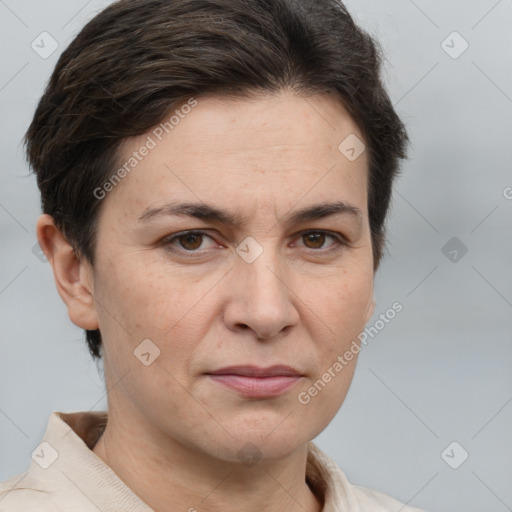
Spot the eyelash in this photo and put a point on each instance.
(340, 242)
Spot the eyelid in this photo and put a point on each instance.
(340, 241)
(338, 236)
(168, 240)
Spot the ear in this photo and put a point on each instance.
(371, 310)
(73, 277)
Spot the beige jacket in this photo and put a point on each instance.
(66, 475)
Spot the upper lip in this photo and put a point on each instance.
(256, 371)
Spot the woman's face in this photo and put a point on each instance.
(174, 308)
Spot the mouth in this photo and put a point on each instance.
(256, 382)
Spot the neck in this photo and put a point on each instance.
(169, 476)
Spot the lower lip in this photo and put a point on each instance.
(257, 387)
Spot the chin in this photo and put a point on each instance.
(272, 444)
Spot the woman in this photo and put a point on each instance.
(215, 177)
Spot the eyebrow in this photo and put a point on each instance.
(208, 212)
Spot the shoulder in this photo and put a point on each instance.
(18, 494)
(369, 499)
(326, 476)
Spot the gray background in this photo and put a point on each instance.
(440, 371)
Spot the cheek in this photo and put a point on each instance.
(342, 318)
(147, 314)
(320, 399)
(339, 302)
(143, 297)
(164, 307)
(338, 314)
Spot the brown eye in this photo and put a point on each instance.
(187, 243)
(190, 241)
(314, 240)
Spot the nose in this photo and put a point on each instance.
(261, 297)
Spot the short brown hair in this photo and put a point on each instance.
(138, 59)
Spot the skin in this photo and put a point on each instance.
(173, 434)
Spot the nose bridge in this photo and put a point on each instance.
(261, 295)
(261, 275)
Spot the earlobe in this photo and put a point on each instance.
(73, 277)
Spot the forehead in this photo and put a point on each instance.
(264, 150)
